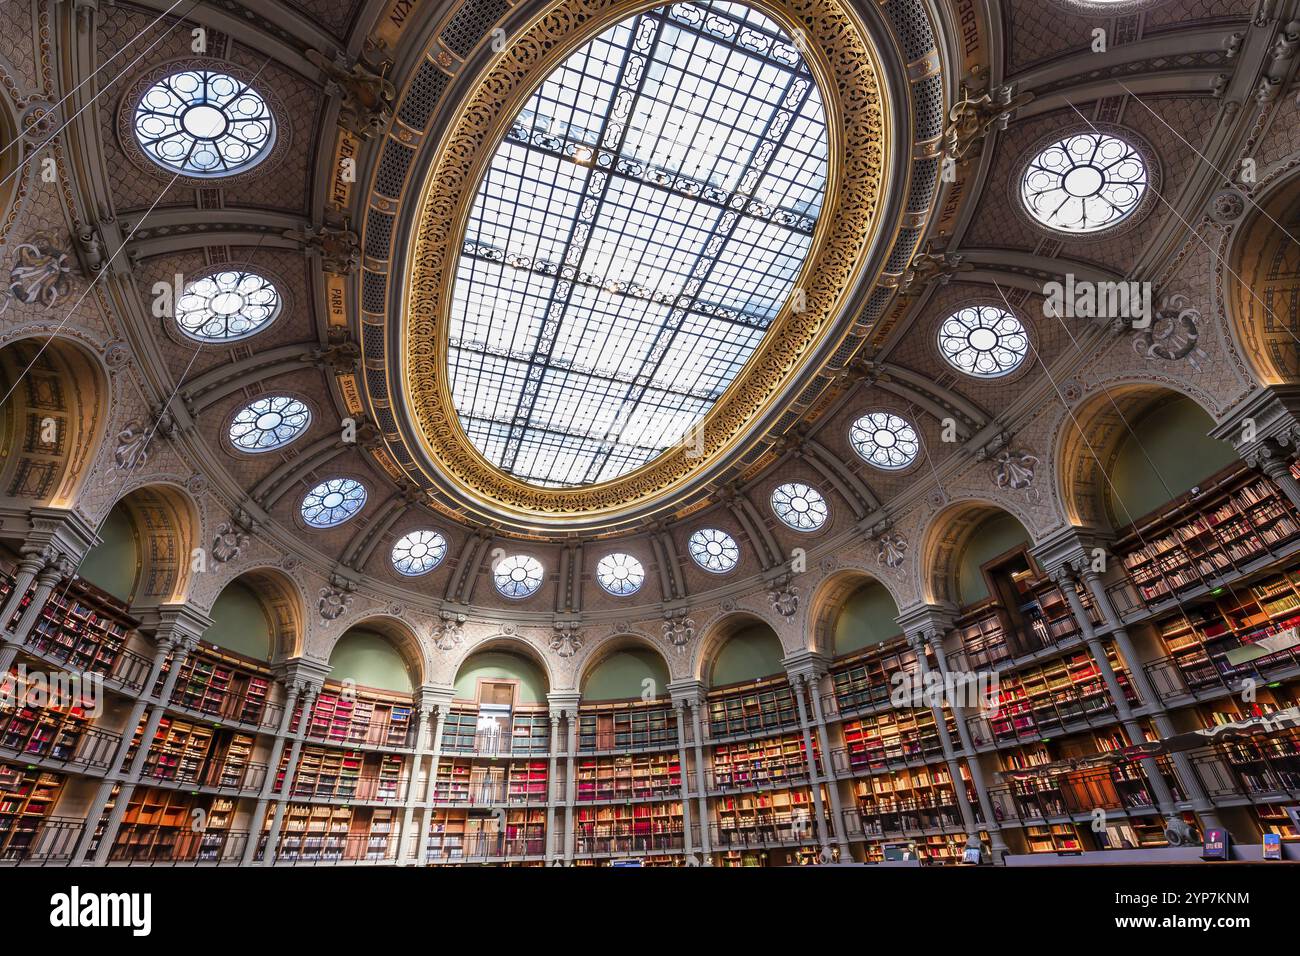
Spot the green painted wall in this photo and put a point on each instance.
(997, 535)
(868, 617)
(371, 660)
(1169, 453)
(502, 665)
(240, 624)
(112, 563)
(621, 675)
(750, 654)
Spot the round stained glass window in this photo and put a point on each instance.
(204, 123)
(800, 506)
(885, 440)
(714, 550)
(269, 423)
(517, 576)
(620, 574)
(333, 502)
(1084, 183)
(419, 552)
(227, 306)
(983, 341)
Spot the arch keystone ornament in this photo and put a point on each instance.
(841, 55)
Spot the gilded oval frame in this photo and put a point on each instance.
(845, 64)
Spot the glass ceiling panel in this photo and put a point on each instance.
(634, 236)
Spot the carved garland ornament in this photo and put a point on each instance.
(841, 54)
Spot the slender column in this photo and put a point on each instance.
(294, 689)
(105, 789)
(571, 781)
(1159, 789)
(702, 790)
(917, 642)
(819, 810)
(408, 849)
(552, 788)
(1201, 804)
(30, 566)
(183, 644)
(679, 711)
(440, 712)
(997, 843)
(46, 579)
(290, 769)
(833, 787)
(1278, 468)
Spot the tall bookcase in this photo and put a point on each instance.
(766, 705)
(27, 796)
(219, 685)
(81, 627)
(631, 777)
(625, 726)
(50, 730)
(361, 716)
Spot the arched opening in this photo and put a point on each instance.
(143, 555)
(866, 618)
(748, 650)
(1129, 452)
(630, 672)
(1264, 287)
(259, 615)
(377, 654)
(966, 548)
(501, 675)
(52, 418)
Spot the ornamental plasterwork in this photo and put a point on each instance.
(230, 540)
(679, 630)
(891, 549)
(40, 274)
(333, 602)
(566, 639)
(784, 599)
(1174, 334)
(1013, 469)
(842, 53)
(448, 631)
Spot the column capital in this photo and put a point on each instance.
(435, 698)
(1266, 423)
(62, 531)
(182, 625)
(1068, 551)
(306, 674)
(805, 664)
(564, 703)
(926, 623)
(688, 690)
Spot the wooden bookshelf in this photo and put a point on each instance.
(766, 817)
(1053, 838)
(893, 737)
(631, 777)
(766, 705)
(491, 782)
(51, 730)
(1201, 639)
(27, 796)
(459, 835)
(1238, 516)
(867, 679)
(626, 726)
(911, 801)
(217, 684)
(361, 717)
(1041, 699)
(629, 829)
(530, 734)
(173, 825)
(345, 775)
(81, 627)
(760, 763)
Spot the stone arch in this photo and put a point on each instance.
(1262, 295)
(54, 418)
(827, 601)
(398, 633)
(509, 643)
(1090, 439)
(282, 603)
(167, 526)
(944, 539)
(611, 645)
(716, 634)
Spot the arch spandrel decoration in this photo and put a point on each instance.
(843, 59)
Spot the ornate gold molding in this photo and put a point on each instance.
(839, 51)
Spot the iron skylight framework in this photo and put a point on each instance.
(635, 234)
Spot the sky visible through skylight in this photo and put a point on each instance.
(634, 236)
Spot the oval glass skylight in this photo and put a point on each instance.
(800, 506)
(714, 550)
(204, 123)
(227, 305)
(620, 574)
(333, 502)
(885, 440)
(1084, 183)
(268, 423)
(418, 552)
(638, 229)
(984, 341)
(517, 576)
